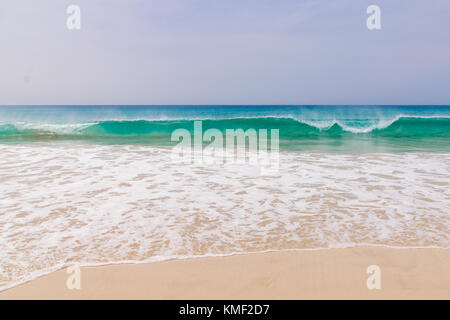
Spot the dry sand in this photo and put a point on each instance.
(303, 274)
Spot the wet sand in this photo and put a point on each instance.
(302, 274)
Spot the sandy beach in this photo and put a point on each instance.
(225, 150)
(302, 274)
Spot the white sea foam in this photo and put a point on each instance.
(63, 204)
(60, 128)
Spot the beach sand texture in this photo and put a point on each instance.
(307, 274)
(94, 205)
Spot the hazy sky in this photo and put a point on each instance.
(224, 52)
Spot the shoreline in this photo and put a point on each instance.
(195, 257)
(336, 273)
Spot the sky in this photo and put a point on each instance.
(224, 52)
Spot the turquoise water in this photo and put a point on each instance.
(329, 128)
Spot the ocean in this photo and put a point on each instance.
(324, 128)
(97, 185)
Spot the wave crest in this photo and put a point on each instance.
(290, 128)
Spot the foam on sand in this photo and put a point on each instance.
(64, 204)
